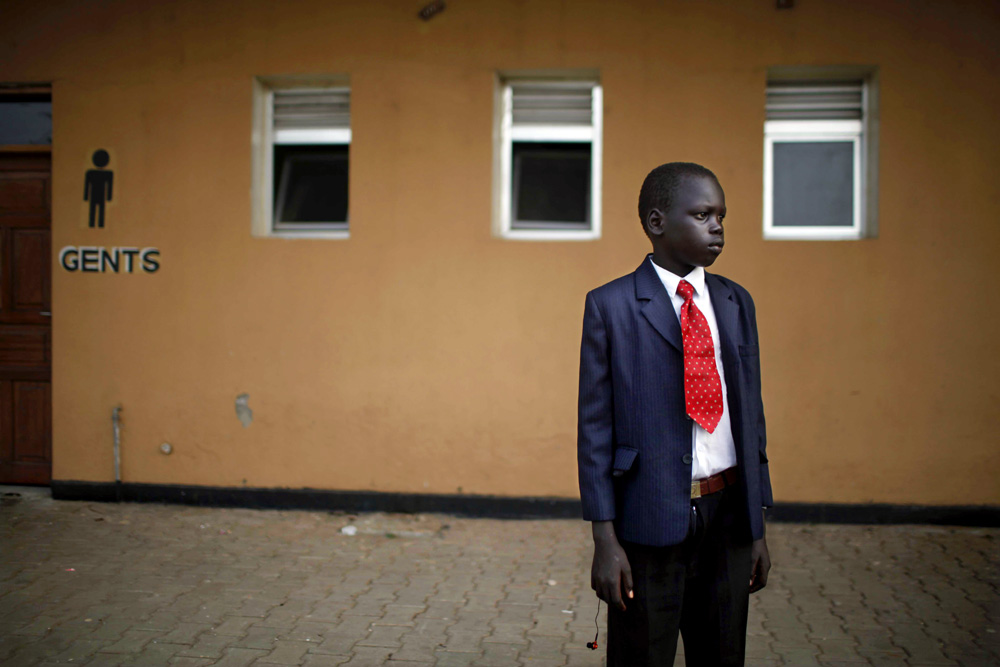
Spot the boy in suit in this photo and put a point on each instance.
(671, 441)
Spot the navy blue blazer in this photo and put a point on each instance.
(634, 436)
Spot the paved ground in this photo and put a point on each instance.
(103, 584)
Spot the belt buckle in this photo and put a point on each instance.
(695, 489)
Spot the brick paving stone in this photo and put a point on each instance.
(79, 650)
(154, 654)
(886, 658)
(798, 656)
(431, 629)
(875, 640)
(792, 638)
(845, 651)
(451, 659)
(111, 628)
(317, 660)
(335, 646)
(261, 639)
(325, 612)
(34, 652)
(384, 635)
(437, 608)
(761, 648)
(233, 625)
(208, 646)
(106, 660)
(416, 652)
(256, 607)
(306, 631)
(66, 634)
(516, 613)
(282, 619)
(498, 655)
(286, 653)
(356, 627)
(366, 607)
(132, 641)
(503, 633)
(37, 626)
(464, 640)
(161, 621)
(583, 657)
(240, 657)
(544, 648)
(369, 655)
(399, 614)
(185, 633)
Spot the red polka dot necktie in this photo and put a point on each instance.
(702, 386)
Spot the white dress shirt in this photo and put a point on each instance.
(712, 452)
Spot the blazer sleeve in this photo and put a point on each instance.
(595, 424)
(767, 500)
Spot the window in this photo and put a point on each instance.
(25, 116)
(818, 160)
(548, 172)
(302, 158)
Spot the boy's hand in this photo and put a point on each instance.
(610, 574)
(760, 564)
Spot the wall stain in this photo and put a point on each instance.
(243, 410)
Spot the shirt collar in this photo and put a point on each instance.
(671, 280)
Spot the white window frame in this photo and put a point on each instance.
(508, 133)
(789, 131)
(265, 137)
(864, 133)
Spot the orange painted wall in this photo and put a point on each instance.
(425, 355)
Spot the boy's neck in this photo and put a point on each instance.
(665, 263)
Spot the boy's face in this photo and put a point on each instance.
(689, 233)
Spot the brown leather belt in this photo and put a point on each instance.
(703, 487)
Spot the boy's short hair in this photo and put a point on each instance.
(661, 185)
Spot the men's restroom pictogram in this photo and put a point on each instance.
(97, 187)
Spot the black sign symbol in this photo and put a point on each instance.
(97, 187)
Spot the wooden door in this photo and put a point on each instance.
(25, 319)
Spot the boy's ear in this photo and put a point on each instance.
(654, 222)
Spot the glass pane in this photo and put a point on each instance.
(551, 184)
(814, 184)
(26, 120)
(310, 183)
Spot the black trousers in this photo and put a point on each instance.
(700, 587)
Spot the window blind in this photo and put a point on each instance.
(812, 100)
(551, 103)
(312, 109)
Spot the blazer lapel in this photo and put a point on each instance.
(727, 317)
(658, 309)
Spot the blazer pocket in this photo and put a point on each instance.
(624, 460)
(749, 350)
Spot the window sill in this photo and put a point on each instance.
(329, 234)
(550, 235)
(813, 234)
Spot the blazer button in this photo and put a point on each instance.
(687, 458)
